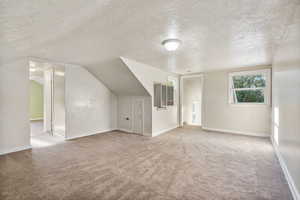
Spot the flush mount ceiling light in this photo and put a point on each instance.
(171, 44)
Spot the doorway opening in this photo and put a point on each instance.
(47, 103)
(191, 100)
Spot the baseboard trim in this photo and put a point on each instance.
(130, 132)
(264, 135)
(89, 134)
(163, 131)
(124, 130)
(16, 149)
(289, 179)
(37, 119)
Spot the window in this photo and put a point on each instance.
(249, 87)
(172, 87)
(160, 95)
(170, 91)
(163, 95)
(157, 95)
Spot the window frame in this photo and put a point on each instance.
(266, 90)
(161, 95)
(174, 81)
(164, 96)
(157, 95)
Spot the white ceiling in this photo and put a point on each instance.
(216, 34)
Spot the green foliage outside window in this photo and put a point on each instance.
(249, 81)
(249, 95)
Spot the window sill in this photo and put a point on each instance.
(161, 108)
(248, 104)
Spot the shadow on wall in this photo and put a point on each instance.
(118, 78)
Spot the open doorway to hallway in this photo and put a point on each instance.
(191, 100)
(47, 104)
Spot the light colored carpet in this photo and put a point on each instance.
(184, 164)
(45, 139)
(40, 139)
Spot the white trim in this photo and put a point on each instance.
(248, 104)
(157, 133)
(181, 94)
(250, 72)
(124, 130)
(89, 134)
(289, 179)
(192, 76)
(36, 119)
(44, 60)
(16, 149)
(257, 88)
(193, 124)
(129, 131)
(237, 132)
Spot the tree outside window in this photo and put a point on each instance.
(249, 87)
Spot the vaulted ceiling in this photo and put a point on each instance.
(215, 34)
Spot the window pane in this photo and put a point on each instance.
(157, 95)
(163, 96)
(249, 81)
(250, 96)
(170, 91)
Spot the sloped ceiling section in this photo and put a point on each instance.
(143, 72)
(147, 74)
(118, 78)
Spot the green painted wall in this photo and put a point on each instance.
(36, 100)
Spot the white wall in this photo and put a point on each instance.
(47, 99)
(90, 106)
(286, 103)
(14, 107)
(192, 91)
(218, 114)
(125, 110)
(59, 115)
(162, 119)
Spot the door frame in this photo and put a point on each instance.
(50, 65)
(133, 119)
(181, 92)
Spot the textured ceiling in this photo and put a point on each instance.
(215, 34)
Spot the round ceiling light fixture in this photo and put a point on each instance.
(171, 44)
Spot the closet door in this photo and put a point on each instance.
(138, 116)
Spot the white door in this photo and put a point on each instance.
(138, 117)
(196, 116)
